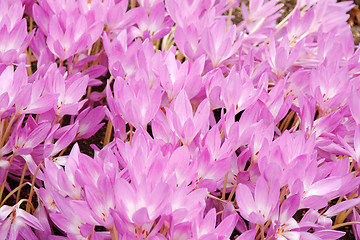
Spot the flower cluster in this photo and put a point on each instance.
(212, 129)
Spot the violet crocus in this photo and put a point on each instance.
(138, 208)
(15, 223)
(135, 102)
(183, 121)
(175, 76)
(154, 25)
(330, 86)
(89, 122)
(206, 229)
(220, 43)
(11, 85)
(248, 94)
(259, 206)
(13, 32)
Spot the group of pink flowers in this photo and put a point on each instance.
(214, 130)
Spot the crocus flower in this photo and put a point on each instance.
(205, 228)
(136, 102)
(260, 206)
(284, 226)
(74, 217)
(330, 87)
(89, 122)
(183, 121)
(220, 43)
(175, 76)
(68, 89)
(101, 199)
(153, 25)
(68, 31)
(11, 85)
(238, 97)
(138, 207)
(14, 37)
(15, 223)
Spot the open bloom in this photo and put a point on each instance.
(183, 121)
(15, 223)
(260, 206)
(14, 37)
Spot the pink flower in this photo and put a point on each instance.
(11, 85)
(154, 25)
(135, 102)
(196, 12)
(259, 10)
(68, 30)
(65, 41)
(187, 40)
(118, 18)
(138, 207)
(101, 199)
(238, 91)
(205, 228)
(220, 43)
(175, 76)
(183, 121)
(284, 226)
(65, 182)
(89, 122)
(142, 158)
(68, 89)
(74, 217)
(330, 87)
(14, 38)
(282, 57)
(259, 206)
(15, 223)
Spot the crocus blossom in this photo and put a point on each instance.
(172, 119)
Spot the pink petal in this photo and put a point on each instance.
(340, 207)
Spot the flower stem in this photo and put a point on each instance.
(224, 186)
(32, 187)
(229, 16)
(12, 192)
(21, 182)
(3, 185)
(5, 136)
(114, 233)
(131, 133)
(232, 192)
(343, 224)
(108, 133)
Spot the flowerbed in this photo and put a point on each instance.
(214, 130)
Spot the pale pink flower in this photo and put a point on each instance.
(259, 206)
(182, 119)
